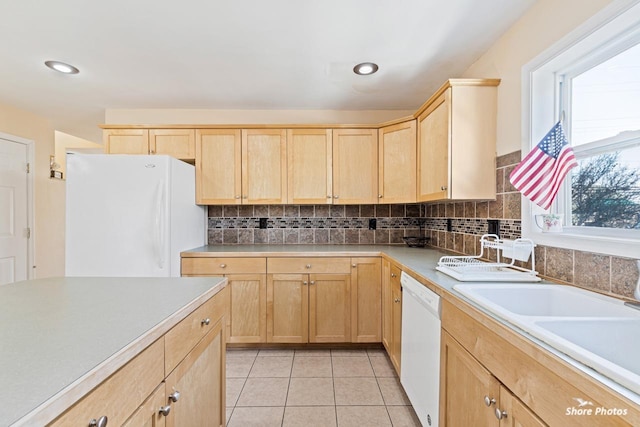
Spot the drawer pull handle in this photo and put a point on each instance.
(489, 401)
(174, 396)
(100, 422)
(204, 322)
(500, 414)
(223, 265)
(308, 265)
(165, 410)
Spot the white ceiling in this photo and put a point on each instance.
(242, 54)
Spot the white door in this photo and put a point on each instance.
(14, 240)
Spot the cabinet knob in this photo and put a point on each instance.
(396, 300)
(379, 196)
(308, 266)
(100, 422)
(237, 197)
(394, 275)
(329, 196)
(443, 188)
(305, 283)
(165, 410)
(152, 152)
(174, 396)
(489, 401)
(313, 282)
(500, 414)
(336, 197)
(203, 322)
(223, 265)
(353, 265)
(245, 197)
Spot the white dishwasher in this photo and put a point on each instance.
(420, 348)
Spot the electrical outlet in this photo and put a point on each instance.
(493, 227)
(372, 224)
(263, 223)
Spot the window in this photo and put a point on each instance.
(602, 104)
(593, 76)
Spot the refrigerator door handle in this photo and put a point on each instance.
(159, 225)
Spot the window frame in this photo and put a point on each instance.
(544, 93)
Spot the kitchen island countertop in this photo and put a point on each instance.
(60, 337)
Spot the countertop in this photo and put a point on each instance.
(419, 263)
(63, 336)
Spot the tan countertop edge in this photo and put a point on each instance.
(60, 402)
(605, 390)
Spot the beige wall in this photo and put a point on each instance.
(202, 116)
(49, 194)
(63, 141)
(545, 23)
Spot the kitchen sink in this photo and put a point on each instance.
(591, 328)
(607, 345)
(515, 299)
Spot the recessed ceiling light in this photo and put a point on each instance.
(365, 68)
(62, 67)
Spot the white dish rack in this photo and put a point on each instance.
(473, 269)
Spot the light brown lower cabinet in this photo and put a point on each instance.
(198, 384)
(392, 312)
(471, 396)
(366, 300)
(311, 308)
(179, 380)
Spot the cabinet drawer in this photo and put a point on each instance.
(120, 394)
(186, 334)
(211, 266)
(309, 265)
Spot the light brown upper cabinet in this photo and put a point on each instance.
(309, 153)
(397, 163)
(355, 166)
(218, 166)
(126, 141)
(457, 142)
(264, 166)
(178, 143)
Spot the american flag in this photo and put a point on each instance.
(539, 175)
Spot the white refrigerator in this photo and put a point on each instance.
(130, 215)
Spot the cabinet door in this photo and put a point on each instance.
(264, 166)
(387, 307)
(287, 308)
(126, 141)
(309, 153)
(434, 127)
(148, 414)
(366, 300)
(200, 380)
(329, 308)
(397, 163)
(355, 166)
(396, 327)
(516, 413)
(178, 143)
(247, 308)
(464, 384)
(218, 166)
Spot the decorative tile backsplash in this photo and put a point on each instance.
(314, 224)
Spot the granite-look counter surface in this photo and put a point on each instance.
(63, 336)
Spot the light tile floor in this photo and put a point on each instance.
(308, 388)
